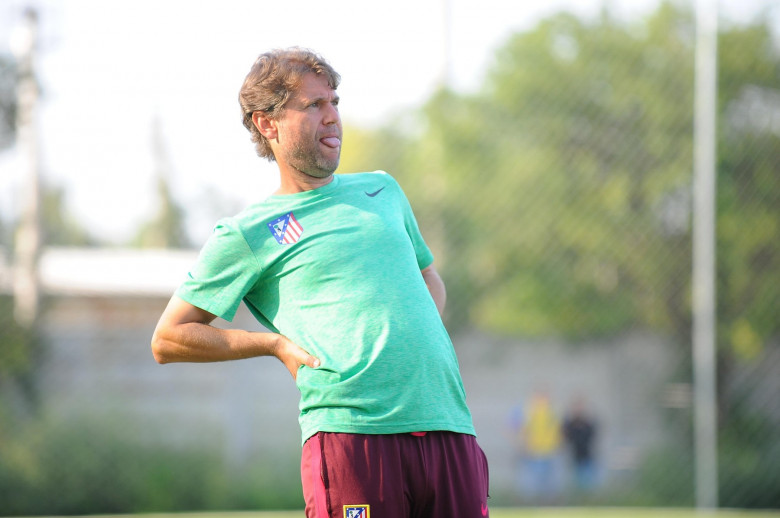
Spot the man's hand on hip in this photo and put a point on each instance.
(293, 356)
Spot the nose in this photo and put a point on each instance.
(331, 115)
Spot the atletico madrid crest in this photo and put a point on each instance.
(356, 511)
(286, 229)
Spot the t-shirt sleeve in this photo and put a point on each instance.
(224, 273)
(421, 249)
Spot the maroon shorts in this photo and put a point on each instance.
(431, 475)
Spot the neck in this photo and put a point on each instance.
(296, 181)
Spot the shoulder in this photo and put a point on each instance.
(252, 215)
(226, 233)
(244, 224)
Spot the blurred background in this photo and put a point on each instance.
(554, 163)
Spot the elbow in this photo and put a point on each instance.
(159, 349)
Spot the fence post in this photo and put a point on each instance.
(704, 363)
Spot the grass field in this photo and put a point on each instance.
(624, 513)
(516, 513)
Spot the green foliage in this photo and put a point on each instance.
(20, 350)
(666, 478)
(749, 461)
(372, 149)
(272, 481)
(8, 78)
(749, 194)
(59, 227)
(88, 466)
(558, 198)
(588, 130)
(748, 466)
(166, 229)
(16, 342)
(80, 468)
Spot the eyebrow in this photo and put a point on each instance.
(307, 102)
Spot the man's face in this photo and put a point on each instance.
(309, 130)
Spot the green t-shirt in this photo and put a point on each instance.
(337, 270)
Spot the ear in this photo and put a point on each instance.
(266, 126)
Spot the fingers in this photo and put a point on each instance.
(293, 356)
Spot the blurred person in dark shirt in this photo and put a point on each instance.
(579, 433)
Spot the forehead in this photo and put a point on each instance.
(314, 86)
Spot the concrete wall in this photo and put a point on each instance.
(623, 381)
(99, 363)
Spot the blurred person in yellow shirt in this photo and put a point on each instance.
(539, 439)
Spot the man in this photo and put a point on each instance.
(335, 267)
(579, 430)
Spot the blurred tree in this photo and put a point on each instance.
(582, 138)
(5, 235)
(372, 149)
(559, 196)
(8, 78)
(59, 226)
(748, 244)
(166, 229)
(21, 346)
(20, 351)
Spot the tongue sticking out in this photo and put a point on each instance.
(333, 142)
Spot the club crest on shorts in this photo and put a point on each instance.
(357, 511)
(286, 229)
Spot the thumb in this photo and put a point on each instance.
(302, 358)
(293, 356)
(309, 360)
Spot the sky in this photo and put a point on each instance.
(113, 71)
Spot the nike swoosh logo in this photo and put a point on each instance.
(372, 194)
(484, 509)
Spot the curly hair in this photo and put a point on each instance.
(272, 81)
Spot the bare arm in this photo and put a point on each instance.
(184, 334)
(436, 287)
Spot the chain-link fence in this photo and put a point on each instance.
(558, 201)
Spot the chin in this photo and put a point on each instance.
(321, 173)
(323, 170)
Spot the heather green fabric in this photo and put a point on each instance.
(346, 286)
